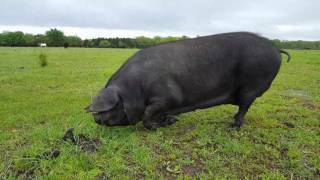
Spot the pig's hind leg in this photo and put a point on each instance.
(244, 100)
(245, 97)
(239, 117)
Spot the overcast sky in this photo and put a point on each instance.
(283, 19)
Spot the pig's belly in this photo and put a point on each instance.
(223, 99)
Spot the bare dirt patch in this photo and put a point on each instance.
(50, 154)
(84, 142)
(102, 176)
(307, 104)
(289, 124)
(284, 152)
(192, 170)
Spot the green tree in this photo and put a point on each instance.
(29, 40)
(2, 40)
(157, 39)
(55, 37)
(40, 38)
(143, 42)
(92, 43)
(85, 43)
(73, 41)
(14, 38)
(104, 44)
(121, 44)
(169, 39)
(184, 37)
(277, 43)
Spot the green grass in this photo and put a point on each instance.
(38, 104)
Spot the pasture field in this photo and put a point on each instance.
(279, 140)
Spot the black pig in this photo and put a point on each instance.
(164, 80)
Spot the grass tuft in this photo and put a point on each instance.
(43, 60)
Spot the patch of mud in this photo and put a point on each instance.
(284, 152)
(26, 175)
(307, 104)
(192, 170)
(102, 176)
(84, 142)
(289, 124)
(50, 154)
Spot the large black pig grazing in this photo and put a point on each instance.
(168, 79)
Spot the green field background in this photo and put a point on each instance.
(279, 140)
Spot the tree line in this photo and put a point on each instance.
(56, 38)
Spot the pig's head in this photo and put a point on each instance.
(107, 108)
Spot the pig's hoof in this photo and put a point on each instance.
(169, 120)
(151, 126)
(235, 126)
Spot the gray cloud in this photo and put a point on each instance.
(285, 19)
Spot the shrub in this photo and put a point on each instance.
(65, 44)
(43, 60)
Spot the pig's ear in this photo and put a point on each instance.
(106, 100)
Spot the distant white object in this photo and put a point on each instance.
(42, 44)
